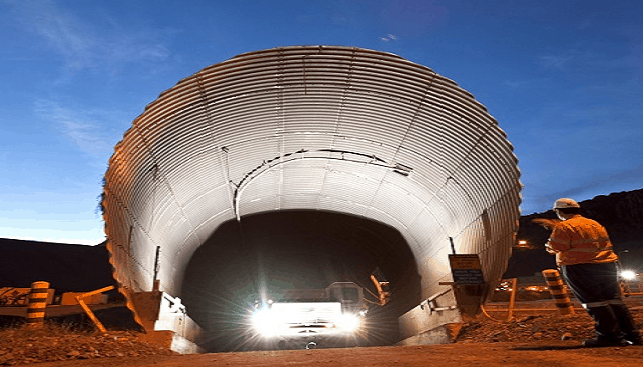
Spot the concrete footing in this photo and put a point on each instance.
(437, 320)
(166, 322)
(173, 341)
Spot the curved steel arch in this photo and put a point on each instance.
(338, 129)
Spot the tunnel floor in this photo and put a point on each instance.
(264, 254)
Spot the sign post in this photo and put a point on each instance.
(466, 269)
(468, 282)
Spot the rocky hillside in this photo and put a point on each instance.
(621, 214)
(68, 268)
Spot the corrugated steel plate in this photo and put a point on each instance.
(341, 129)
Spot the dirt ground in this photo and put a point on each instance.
(452, 355)
(530, 339)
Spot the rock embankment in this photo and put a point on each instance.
(535, 327)
(23, 345)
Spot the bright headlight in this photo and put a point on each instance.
(264, 323)
(349, 322)
(628, 274)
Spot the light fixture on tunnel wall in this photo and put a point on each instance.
(346, 116)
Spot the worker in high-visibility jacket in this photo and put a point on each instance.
(588, 265)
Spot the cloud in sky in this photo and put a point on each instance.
(80, 126)
(556, 61)
(84, 45)
(526, 83)
(388, 37)
(339, 20)
(598, 184)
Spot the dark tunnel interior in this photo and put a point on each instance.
(266, 253)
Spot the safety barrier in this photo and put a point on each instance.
(37, 304)
(88, 311)
(558, 292)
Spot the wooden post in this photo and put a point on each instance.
(37, 304)
(88, 311)
(512, 300)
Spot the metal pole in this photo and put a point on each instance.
(452, 245)
(156, 265)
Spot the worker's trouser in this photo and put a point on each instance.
(597, 288)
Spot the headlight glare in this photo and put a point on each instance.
(628, 275)
(349, 323)
(264, 323)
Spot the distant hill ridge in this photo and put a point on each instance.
(622, 215)
(68, 268)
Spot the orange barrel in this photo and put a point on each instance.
(37, 303)
(557, 289)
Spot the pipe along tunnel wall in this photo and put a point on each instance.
(343, 130)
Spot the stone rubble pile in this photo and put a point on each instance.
(533, 327)
(21, 345)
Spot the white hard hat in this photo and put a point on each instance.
(565, 203)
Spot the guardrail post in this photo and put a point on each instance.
(557, 289)
(37, 304)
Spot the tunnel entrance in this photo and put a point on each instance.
(268, 253)
(328, 128)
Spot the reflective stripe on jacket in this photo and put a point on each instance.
(580, 240)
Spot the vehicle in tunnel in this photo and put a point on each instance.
(270, 254)
(331, 317)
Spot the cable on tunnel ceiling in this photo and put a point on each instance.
(245, 181)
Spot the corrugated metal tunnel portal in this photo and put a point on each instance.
(324, 129)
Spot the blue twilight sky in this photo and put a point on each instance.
(564, 79)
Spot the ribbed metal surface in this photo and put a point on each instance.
(328, 128)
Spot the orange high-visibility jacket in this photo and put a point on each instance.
(580, 240)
